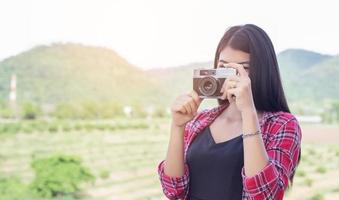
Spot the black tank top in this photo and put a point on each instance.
(215, 168)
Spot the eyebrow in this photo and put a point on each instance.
(246, 62)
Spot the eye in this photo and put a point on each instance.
(221, 65)
(246, 66)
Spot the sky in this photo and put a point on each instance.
(156, 33)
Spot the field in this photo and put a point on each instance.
(124, 161)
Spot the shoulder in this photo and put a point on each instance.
(281, 122)
(203, 119)
(198, 119)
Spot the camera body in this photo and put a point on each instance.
(208, 82)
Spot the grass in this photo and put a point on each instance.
(124, 158)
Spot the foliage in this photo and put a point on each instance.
(59, 175)
(30, 111)
(13, 189)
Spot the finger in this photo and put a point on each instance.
(183, 110)
(234, 78)
(188, 108)
(230, 84)
(194, 107)
(229, 97)
(240, 69)
(192, 104)
(224, 96)
(196, 97)
(190, 100)
(231, 93)
(227, 85)
(224, 86)
(179, 108)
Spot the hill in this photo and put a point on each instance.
(74, 72)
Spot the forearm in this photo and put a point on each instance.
(174, 162)
(255, 155)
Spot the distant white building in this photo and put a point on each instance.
(128, 111)
(309, 118)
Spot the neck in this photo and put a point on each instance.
(231, 113)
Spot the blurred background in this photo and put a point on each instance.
(86, 86)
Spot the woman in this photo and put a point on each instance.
(246, 148)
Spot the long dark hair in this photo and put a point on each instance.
(267, 89)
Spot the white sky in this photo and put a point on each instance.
(155, 33)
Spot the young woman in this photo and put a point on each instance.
(246, 148)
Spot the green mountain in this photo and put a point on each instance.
(307, 76)
(318, 82)
(299, 59)
(73, 72)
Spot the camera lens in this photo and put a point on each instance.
(208, 86)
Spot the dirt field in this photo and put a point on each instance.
(131, 157)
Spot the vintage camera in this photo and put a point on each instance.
(208, 82)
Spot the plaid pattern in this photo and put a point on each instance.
(282, 137)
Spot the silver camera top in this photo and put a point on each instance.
(217, 73)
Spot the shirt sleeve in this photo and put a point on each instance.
(174, 187)
(177, 187)
(283, 150)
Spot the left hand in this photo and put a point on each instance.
(238, 88)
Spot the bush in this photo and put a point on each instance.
(321, 170)
(78, 127)
(30, 111)
(59, 175)
(104, 174)
(88, 109)
(66, 127)
(13, 189)
(53, 127)
(317, 197)
(301, 173)
(308, 182)
(160, 112)
(11, 128)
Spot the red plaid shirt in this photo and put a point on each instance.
(282, 137)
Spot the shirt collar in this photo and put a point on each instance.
(216, 111)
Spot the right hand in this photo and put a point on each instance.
(184, 108)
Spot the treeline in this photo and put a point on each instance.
(79, 110)
(330, 113)
(328, 110)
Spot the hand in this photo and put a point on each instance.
(238, 88)
(185, 108)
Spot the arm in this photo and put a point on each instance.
(255, 155)
(173, 171)
(282, 150)
(174, 163)
(266, 168)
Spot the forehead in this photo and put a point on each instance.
(229, 54)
